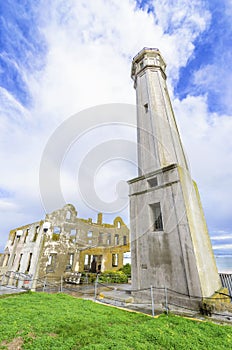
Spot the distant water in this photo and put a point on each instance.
(224, 263)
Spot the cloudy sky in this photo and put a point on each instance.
(61, 57)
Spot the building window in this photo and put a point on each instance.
(13, 260)
(19, 264)
(108, 238)
(114, 260)
(116, 239)
(36, 234)
(68, 215)
(141, 65)
(6, 260)
(70, 262)
(156, 217)
(90, 241)
(73, 237)
(29, 263)
(146, 107)
(90, 234)
(153, 182)
(13, 239)
(56, 230)
(100, 238)
(119, 224)
(87, 262)
(19, 234)
(51, 263)
(124, 240)
(26, 235)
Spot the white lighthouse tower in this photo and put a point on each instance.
(170, 244)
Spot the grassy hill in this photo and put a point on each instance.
(44, 321)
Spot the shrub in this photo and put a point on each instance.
(88, 277)
(113, 277)
(126, 269)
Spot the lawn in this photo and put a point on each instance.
(58, 321)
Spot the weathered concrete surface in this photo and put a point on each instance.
(10, 290)
(62, 244)
(170, 245)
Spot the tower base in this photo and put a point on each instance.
(170, 244)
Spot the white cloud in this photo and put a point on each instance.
(89, 50)
(207, 140)
(216, 78)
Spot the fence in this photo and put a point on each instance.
(16, 280)
(226, 279)
(152, 300)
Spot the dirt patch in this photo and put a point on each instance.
(15, 344)
(52, 334)
(31, 335)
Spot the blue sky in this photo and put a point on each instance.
(59, 57)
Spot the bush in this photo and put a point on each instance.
(126, 269)
(88, 277)
(113, 277)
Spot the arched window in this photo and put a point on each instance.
(68, 215)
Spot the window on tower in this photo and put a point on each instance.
(146, 107)
(156, 217)
(152, 182)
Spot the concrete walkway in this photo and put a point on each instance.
(10, 290)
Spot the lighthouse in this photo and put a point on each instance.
(170, 244)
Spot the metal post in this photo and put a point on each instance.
(44, 285)
(152, 303)
(166, 300)
(95, 289)
(61, 284)
(2, 279)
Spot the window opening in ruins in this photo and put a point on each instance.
(29, 263)
(70, 262)
(119, 224)
(73, 234)
(13, 260)
(36, 234)
(13, 240)
(90, 234)
(124, 240)
(19, 264)
(6, 260)
(51, 262)
(26, 235)
(56, 230)
(87, 262)
(156, 217)
(116, 239)
(90, 241)
(93, 265)
(68, 215)
(109, 239)
(114, 260)
(101, 238)
(19, 234)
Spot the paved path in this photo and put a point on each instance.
(10, 290)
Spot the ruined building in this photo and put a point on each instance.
(170, 244)
(62, 244)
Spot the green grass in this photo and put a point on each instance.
(58, 321)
